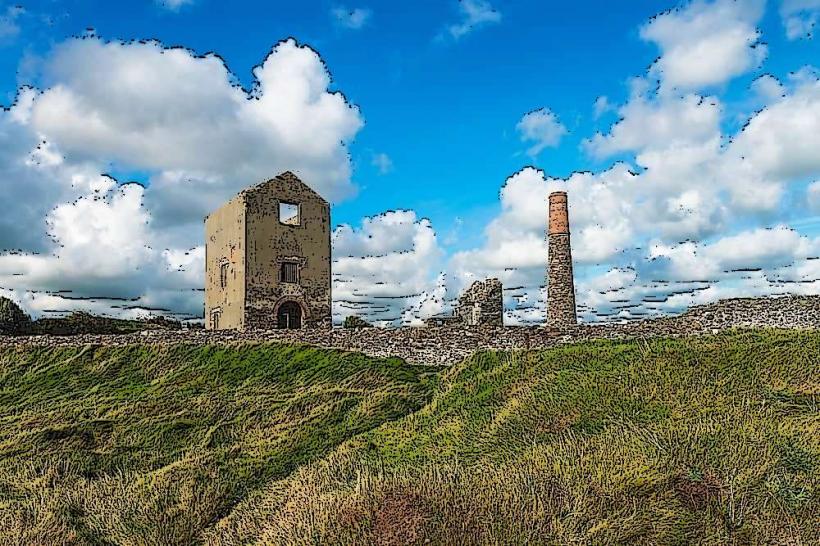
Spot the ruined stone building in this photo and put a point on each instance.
(560, 283)
(267, 258)
(482, 304)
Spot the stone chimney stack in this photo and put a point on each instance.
(560, 283)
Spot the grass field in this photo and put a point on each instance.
(708, 440)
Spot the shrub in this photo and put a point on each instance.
(81, 322)
(13, 320)
(163, 323)
(354, 321)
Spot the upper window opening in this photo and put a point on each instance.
(289, 213)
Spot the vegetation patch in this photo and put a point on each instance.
(136, 445)
(708, 440)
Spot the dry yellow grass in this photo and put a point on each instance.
(712, 440)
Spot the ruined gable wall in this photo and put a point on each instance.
(270, 242)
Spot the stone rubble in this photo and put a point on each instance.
(451, 344)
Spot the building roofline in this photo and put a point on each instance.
(286, 176)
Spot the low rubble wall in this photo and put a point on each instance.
(451, 344)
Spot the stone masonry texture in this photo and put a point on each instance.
(447, 346)
(247, 244)
(482, 304)
(560, 283)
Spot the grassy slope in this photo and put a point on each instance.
(713, 440)
(151, 446)
(709, 440)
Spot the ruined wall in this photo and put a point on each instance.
(560, 282)
(270, 242)
(225, 243)
(448, 346)
(482, 304)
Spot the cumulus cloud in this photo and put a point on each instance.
(755, 249)
(661, 230)
(664, 227)
(799, 17)
(354, 18)
(648, 123)
(181, 118)
(184, 119)
(541, 127)
(474, 14)
(781, 141)
(706, 43)
(384, 269)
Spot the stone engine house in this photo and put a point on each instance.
(267, 256)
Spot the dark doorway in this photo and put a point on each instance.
(289, 316)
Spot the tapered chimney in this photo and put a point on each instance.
(560, 284)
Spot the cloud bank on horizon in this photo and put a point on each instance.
(687, 212)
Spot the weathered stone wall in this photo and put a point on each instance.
(248, 236)
(225, 247)
(272, 242)
(445, 346)
(482, 304)
(560, 282)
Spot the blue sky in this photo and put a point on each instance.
(441, 103)
(443, 110)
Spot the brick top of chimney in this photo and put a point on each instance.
(558, 215)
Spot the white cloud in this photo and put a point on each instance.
(602, 106)
(543, 128)
(383, 270)
(183, 118)
(76, 234)
(690, 183)
(782, 140)
(705, 44)
(9, 25)
(648, 123)
(799, 17)
(755, 249)
(382, 162)
(474, 14)
(646, 231)
(768, 88)
(102, 249)
(354, 18)
(174, 5)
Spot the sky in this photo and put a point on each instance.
(686, 134)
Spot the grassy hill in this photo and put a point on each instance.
(708, 440)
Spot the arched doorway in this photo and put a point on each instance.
(289, 316)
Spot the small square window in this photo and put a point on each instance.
(289, 214)
(289, 272)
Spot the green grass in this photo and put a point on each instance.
(708, 440)
(123, 445)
